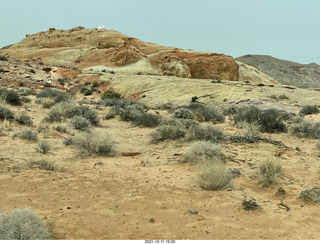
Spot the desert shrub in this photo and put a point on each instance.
(250, 205)
(45, 164)
(84, 112)
(5, 113)
(95, 143)
(111, 113)
(310, 195)
(305, 129)
(43, 147)
(214, 175)
(3, 58)
(67, 141)
(80, 123)
(165, 106)
(309, 109)
(248, 113)
(25, 100)
(167, 132)
(24, 119)
(203, 112)
(44, 128)
(23, 224)
(268, 171)
(271, 122)
(147, 120)
(26, 134)
(206, 132)
(250, 130)
(63, 129)
(230, 110)
(130, 112)
(47, 102)
(57, 95)
(203, 151)
(189, 123)
(318, 144)
(10, 96)
(183, 113)
(59, 111)
(109, 94)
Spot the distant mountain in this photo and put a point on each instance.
(286, 72)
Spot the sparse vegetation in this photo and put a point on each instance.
(109, 94)
(24, 119)
(26, 134)
(250, 130)
(309, 110)
(311, 195)
(57, 95)
(23, 224)
(10, 96)
(183, 113)
(268, 171)
(5, 113)
(204, 113)
(95, 143)
(214, 175)
(305, 129)
(45, 164)
(47, 102)
(201, 151)
(206, 132)
(43, 147)
(167, 132)
(147, 120)
(80, 123)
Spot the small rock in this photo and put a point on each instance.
(193, 211)
(152, 220)
(68, 207)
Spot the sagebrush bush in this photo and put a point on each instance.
(80, 123)
(109, 94)
(95, 143)
(183, 113)
(147, 120)
(205, 132)
(205, 113)
(309, 109)
(63, 129)
(59, 111)
(310, 195)
(24, 119)
(305, 129)
(249, 114)
(47, 102)
(214, 175)
(250, 130)
(203, 151)
(10, 96)
(26, 134)
(84, 112)
(57, 95)
(43, 147)
(130, 112)
(5, 113)
(23, 224)
(45, 164)
(268, 171)
(167, 132)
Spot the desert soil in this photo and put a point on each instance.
(149, 195)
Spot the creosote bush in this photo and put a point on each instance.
(23, 224)
(268, 171)
(201, 151)
(95, 143)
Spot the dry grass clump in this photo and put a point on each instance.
(24, 119)
(45, 164)
(250, 130)
(43, 147)
(26, 134)
(201, 151)
(214, 175)
(268, 171)
(206, 132)
(311, 195)
(95, 143)
(47, 102)
(23, 224)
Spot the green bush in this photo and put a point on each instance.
(95, 143)
(147, 120)
(183, 113)
(203, 112)
(268, 171)
(309, 110)
(201, 151)
(43, 147)
(130, 112)
(84, 112)
(5, 113)
(109, 94)
(59, 111)
(27, 134)
(206, 132)
(24, 119)
(23, 224)
(80, 123)
(305, 129)
(249, 114)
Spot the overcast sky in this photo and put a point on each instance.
(285, 29)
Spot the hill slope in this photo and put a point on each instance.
(286, 72)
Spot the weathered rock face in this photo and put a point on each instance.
(201, 65)
(83, 48)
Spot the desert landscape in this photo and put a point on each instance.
(107, 137)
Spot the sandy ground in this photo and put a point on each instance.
(148, 196)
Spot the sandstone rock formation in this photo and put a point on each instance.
(83, 48)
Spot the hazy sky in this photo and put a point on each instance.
(286, 29)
